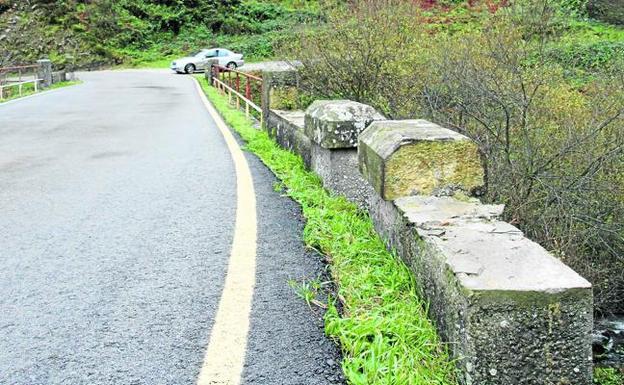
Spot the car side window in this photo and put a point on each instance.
(223, 53)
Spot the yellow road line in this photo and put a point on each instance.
(225, 354)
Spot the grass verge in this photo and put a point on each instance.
(30, 90)
(382, 327)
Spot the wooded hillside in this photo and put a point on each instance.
(119, 31)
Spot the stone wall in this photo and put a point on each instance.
(48, 77)
(511, 312)
(287, 130)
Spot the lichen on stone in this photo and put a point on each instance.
(430, 167)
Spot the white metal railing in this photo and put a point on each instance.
(18, 77)
(20, 87)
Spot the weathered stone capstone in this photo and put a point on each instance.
(409, 157)
(336, 124)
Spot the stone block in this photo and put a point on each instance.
(338, 169)
(279, 89)
(209, 74)
(44, 72)
(58, 76)
(409, 157)
(287, 129)
(511, 312)
(338, 123)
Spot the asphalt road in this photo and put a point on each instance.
(118, 207)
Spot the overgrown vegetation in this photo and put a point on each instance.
(608, 376)
(378, 318)
(144, 31)
(537, 86)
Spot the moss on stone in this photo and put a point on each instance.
(424, 167)
(463, 197)
(284, 98)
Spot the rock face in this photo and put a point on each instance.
(410, 157)
(611, 11)
(336, 124)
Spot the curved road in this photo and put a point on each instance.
(118, 201)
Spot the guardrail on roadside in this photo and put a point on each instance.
(240, 87)
(18, 77)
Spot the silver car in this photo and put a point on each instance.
(200, 60)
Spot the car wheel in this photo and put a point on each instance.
(189, 68)
(231, 65)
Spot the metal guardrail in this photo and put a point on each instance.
(17, 77)
(229, 81)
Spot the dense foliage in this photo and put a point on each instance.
(540, 89)
(142, 30)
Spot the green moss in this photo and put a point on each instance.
(608, 376)
(284, 98)
(426, 166)
(463, 197)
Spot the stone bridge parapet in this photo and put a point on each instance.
(513, 314)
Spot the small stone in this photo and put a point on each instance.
(493, 372)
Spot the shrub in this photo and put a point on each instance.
(554, 151)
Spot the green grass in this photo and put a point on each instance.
(163, 62)
(29, 89)
(378, 319)
(608, 376)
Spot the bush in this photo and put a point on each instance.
(554, 151)
(145, 30)
(611, 11)
(588, 56)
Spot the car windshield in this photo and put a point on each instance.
(198, 53)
